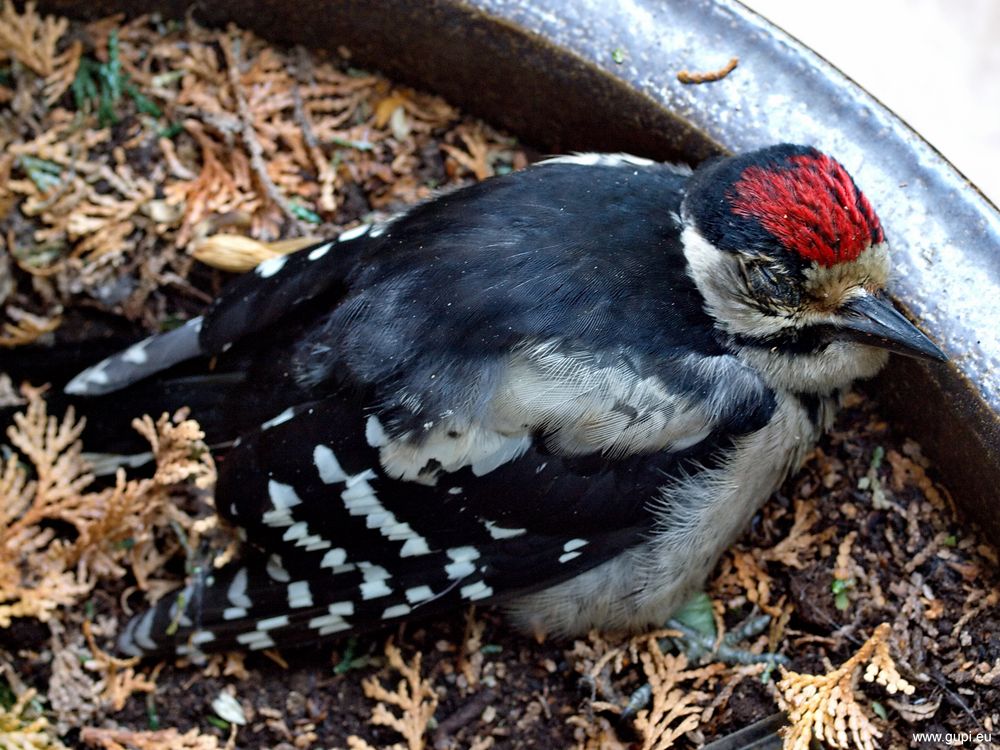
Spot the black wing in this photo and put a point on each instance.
(340, 545)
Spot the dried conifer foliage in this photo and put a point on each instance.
(133, 153)
(124, 145)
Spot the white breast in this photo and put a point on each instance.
(698, 519)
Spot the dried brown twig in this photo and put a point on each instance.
(233, 52)
(678, 703)
(255, 140)
(26, 328)
(801, 543)
(162, 739)
(714, 75)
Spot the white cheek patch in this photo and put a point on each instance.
(728, 300)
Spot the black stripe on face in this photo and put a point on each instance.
(806, 340)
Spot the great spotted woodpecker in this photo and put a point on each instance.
(565, 390)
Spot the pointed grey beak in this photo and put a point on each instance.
(873, 320)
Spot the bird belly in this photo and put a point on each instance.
(698, 518)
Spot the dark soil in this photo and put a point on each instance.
(921, 568)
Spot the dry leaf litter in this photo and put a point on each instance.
(134, 152)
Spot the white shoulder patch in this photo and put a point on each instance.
(354, 232)
(375, 433)
(271, 266)
(595, 159)
(581, 405)
(318, 252)
(448, 447)
(585, 407)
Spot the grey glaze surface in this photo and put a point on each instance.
(545, 69)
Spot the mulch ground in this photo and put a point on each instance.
(131, 155)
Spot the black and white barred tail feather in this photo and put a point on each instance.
(250, 303)
(139, 361)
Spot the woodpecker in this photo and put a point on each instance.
(565, 390)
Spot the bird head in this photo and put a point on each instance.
(792, 259)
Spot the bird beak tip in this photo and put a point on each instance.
(873, 320)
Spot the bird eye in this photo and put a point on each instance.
(768, 284)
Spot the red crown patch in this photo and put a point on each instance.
(812, 206)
